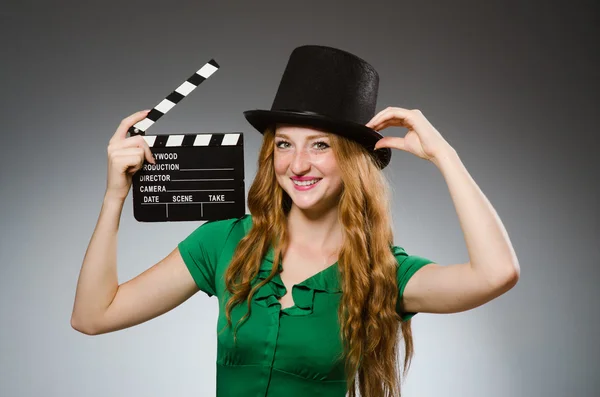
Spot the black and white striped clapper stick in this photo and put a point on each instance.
(197, 176)
(174, 98)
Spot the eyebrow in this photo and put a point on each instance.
(279, 135)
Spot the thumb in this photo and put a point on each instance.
(393, 142)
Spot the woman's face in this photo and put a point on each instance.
(306, 167)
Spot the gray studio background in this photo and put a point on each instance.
(513, 86)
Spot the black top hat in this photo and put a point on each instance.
(329, 89)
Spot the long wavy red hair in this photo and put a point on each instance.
(369, 322)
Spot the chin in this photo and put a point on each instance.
(306, 205)
(313, 203)
(303, 202)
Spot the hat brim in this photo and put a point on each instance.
(367, 137)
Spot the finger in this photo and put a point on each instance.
(137, 141)
(148, 154)
(399, 116)
(377, 118)
(132, 141)
(385, 114)
(119, 155)
(393, 123)
(390, 142)
(131, 164)
(127, 122)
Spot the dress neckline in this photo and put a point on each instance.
(328, 272)
(325, 281)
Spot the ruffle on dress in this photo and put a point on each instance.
(325, 281)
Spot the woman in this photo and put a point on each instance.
(312, 292)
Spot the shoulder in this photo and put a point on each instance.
(402, 256)
(243, 224)
(244, 220)
(407, 264)
(217, 232)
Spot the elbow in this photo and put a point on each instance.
(82, 327)
(513, 275)
(512, 280)
(508, 280)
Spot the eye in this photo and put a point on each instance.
(279, 143)
(321, 145)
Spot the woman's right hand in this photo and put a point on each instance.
(125, 157)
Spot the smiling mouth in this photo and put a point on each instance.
(305, 183)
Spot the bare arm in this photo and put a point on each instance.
(493, 268)
(101, 304)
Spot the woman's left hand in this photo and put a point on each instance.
(422, 139)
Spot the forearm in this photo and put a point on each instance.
(98, 281)
(490, 251)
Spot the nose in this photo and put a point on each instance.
(301, 162)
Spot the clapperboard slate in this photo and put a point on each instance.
(197, 177)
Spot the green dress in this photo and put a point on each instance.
(290, 352)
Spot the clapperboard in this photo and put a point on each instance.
(196, 177)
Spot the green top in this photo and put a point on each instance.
(290, 352)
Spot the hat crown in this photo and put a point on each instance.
(330, 82)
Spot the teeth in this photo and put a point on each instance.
(305, 183)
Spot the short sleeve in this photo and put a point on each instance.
(407, 267)
(201, 251)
